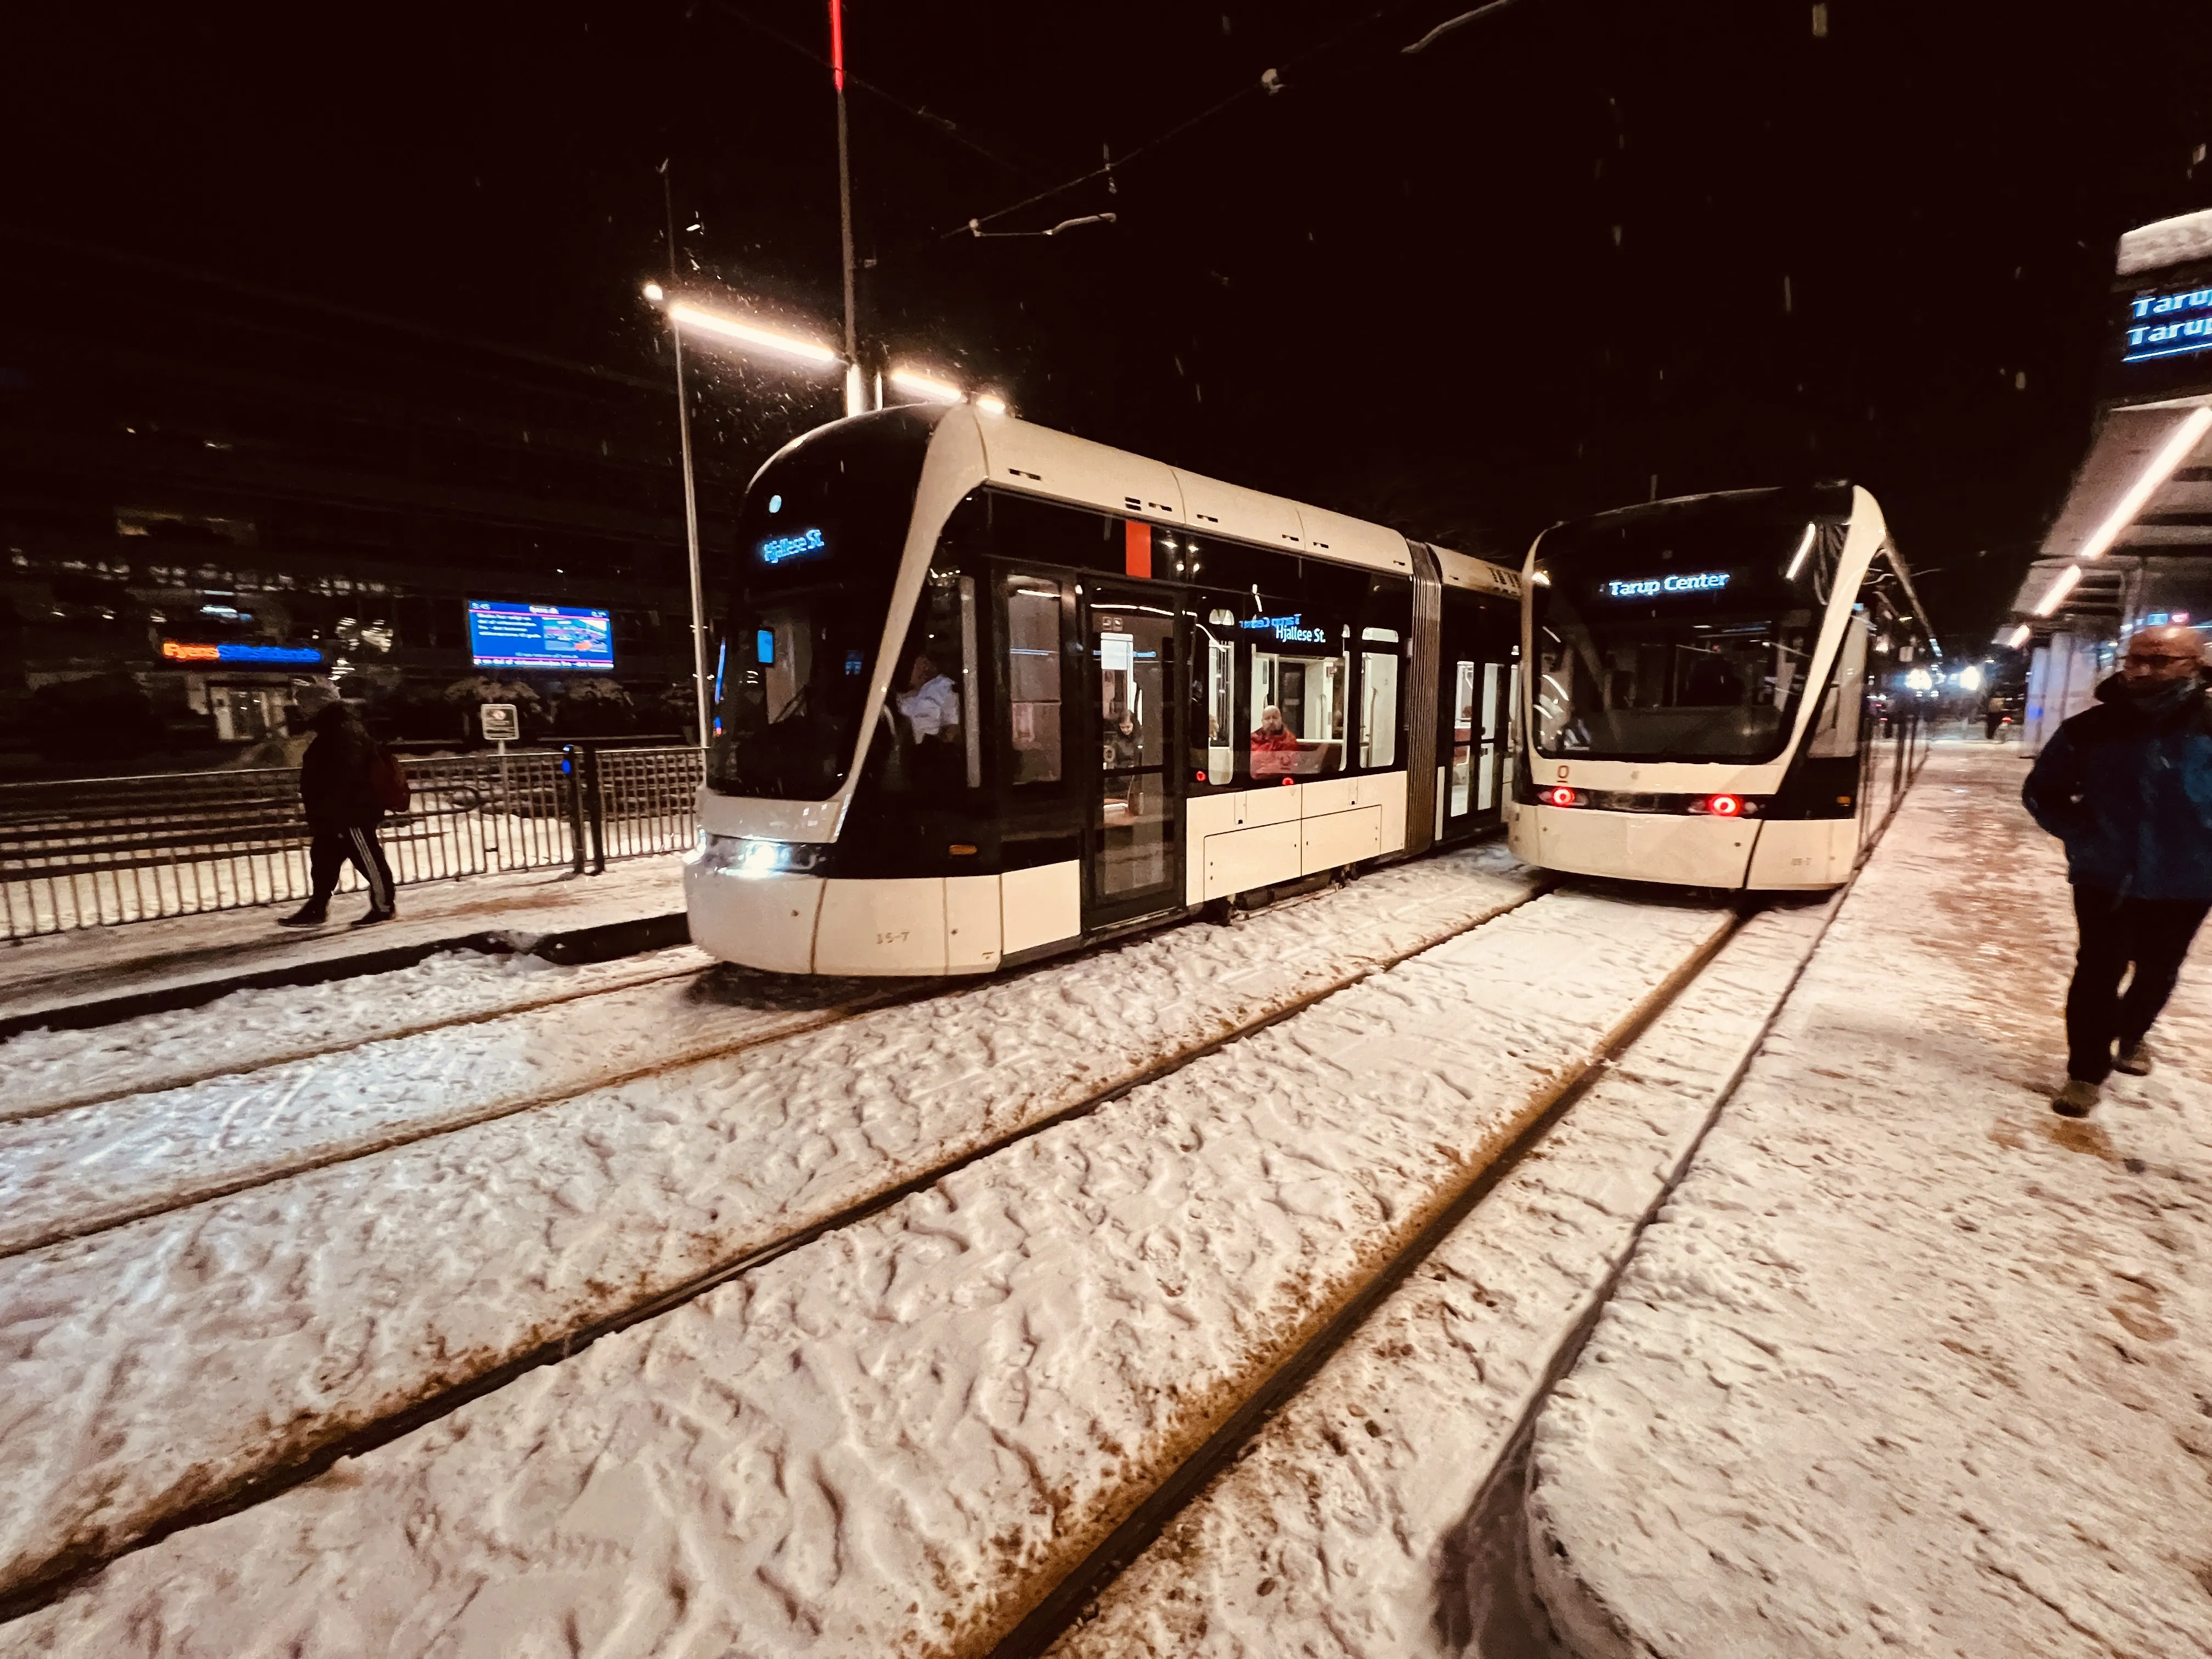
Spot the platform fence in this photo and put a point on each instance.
(94, 853)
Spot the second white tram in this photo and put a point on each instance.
(1716, 694)
(990, 691)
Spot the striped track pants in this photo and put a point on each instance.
(329, 853)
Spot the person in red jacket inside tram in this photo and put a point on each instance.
(1273, 733)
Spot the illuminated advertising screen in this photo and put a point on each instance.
(552, 636)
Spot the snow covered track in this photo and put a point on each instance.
(327, 1311)
(55, 1071)
(1345, 1525)
(1908, 1364)
(899, 1437)
(73, 1173)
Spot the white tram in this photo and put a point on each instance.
(1719, 695)
(989, 692)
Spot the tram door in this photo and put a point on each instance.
(1132, 861)
(1480, 681)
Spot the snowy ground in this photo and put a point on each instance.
(895, 1439)
(328, 1300)
(1908, 1364)
(1350, 1525)
(66, 1174)
(49, 1070)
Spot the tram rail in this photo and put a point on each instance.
(311, 1455)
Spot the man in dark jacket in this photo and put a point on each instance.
(2128, 786)
(340, 796)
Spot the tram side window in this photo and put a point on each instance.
(1836, 733)
(1462, 750)
(930, 704)
(1301, 689)
(1378, 701)
(1033, 669)
(1213, 742)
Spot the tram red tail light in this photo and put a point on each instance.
(1725, 807)
(1562, 796)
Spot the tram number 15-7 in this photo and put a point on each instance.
(898, 938)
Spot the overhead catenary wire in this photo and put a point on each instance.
(1270, 82)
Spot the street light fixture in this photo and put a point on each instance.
(683, 315)
(943, 391)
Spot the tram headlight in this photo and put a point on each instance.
(752, 856)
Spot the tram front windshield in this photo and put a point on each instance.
(1680, 634)
(818, 546)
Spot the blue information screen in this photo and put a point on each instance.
(540, 636)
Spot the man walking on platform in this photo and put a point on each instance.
(2128, 786)
(338, 787)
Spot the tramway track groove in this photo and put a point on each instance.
(101, 1096)
(1063, 1606)
(275, 1479)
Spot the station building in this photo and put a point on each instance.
(210, 496)
(2132, 545)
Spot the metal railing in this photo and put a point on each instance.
(96, 852)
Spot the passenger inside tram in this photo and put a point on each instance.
(1273, 733)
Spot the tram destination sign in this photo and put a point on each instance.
(1653, 587)
(552, 636)
(2173, 323)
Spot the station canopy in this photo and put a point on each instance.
(2138, 519)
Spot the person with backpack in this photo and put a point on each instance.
(346, 785)
(2127, 784)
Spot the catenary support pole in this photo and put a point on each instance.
(856, 386)
(690, 485)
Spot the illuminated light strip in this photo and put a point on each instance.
(922, 387)
(992, 406)
(1797, 561)
(838, 43)
(2019, 636)
(2068, 579)
(689, 316)
(2169, 351)
(2169, 456)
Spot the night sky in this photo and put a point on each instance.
(1574, 251)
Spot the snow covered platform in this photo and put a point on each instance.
(1907, 1364)
(138, 966)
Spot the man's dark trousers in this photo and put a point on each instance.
(327, 857)
(2152, 933)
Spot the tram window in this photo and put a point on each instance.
(931, 698)
(1378, 703)
(1462, 749)
(1301, 699)
(1214, 752)
(1033, 666)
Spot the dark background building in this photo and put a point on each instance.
(333, 322)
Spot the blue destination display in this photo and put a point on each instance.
(779, 549)
(1285, 628)
(540, 636)
(1650, 588)
(2175, 324)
